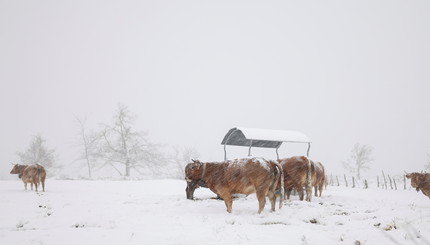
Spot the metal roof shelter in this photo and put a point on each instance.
(265, 138)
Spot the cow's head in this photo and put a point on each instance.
(416, 179)
(16, 169)
(193, 171)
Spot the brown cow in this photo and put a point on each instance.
(318, 177)
(33, 174)
(420, 181)
(297, 175)
(240, 176)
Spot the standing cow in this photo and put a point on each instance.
(318, 177)
(420, 181)
(298, 176)
(33, 174)
(240, 176)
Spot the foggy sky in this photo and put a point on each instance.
(342, 72)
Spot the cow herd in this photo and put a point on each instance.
(274, 179)
(257, 175)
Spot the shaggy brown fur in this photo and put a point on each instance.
(297, 175)
(420, 181)
(240, 176)
(33, 174)
(318, 177)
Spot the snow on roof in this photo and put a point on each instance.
(274, 135)
(266, 138)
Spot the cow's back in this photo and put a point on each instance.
(29, 173)
(295, 170)
(41, 171)
(240, 176)
(320, 172)
(34, 174)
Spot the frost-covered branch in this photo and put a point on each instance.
(360, 159)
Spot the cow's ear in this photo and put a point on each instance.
(196, 161)
(408, 175)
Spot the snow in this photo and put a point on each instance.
(238, 163)
(274, 135)
(157, 212)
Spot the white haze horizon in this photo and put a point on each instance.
(341, 72)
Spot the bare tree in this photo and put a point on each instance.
(88, 144)
(427, 166)
(122, 146)
(360, 159)
(38, 152)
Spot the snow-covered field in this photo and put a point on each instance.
(156, 212)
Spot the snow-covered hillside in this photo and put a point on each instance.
(156, 212)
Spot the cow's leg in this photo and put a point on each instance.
(308, 193)
(287, 193)
(300, 192)
(187, 193)
(35, 184)
(25, 185)
(43, 185)
(31, 184)
(228, 200)
(190, 190)
(261, 196)
(321, 188)
(316, 190)
(272, 198)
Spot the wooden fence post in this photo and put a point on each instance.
(391, 182)
(346, 181)
(353, 182)
(395, 185)
(385, 180)
(337, 179)
(377, 179)
(325, 181)
(365, 184)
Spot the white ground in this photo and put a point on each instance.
(156, 212)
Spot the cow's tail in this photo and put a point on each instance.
(308, 186)
(39, 173)
(280, 178)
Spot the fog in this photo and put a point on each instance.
(341, 72)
